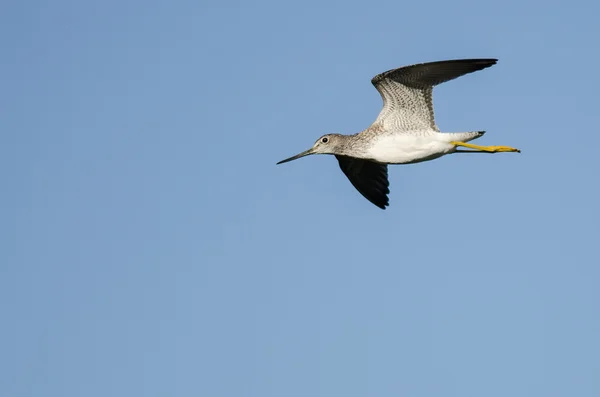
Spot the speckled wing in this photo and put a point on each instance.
(407, 92)
(369, 178)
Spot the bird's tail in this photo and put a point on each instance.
(464, 136)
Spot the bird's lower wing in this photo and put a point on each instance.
(369, 178)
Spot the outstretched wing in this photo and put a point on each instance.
(407, 92)
(369, 178)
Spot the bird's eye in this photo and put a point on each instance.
(324, 140)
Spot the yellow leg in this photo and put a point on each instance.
(488, 149)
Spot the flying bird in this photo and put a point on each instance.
(405, 131)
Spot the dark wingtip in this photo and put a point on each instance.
(381, 203)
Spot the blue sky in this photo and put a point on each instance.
(150, 246)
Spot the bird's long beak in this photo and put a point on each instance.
(304, 153)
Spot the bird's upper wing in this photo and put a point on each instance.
(369, 178)
(407, 92)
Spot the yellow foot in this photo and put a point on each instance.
(495, 149)
(488, 149)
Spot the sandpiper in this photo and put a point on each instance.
(405, 131)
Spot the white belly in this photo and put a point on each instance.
(409, 148)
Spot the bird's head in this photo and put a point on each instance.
(327, 144)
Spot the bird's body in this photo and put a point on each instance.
(406, 147)
(416, 147)
(405, 131)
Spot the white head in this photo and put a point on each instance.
(327, 144)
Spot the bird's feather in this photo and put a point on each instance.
(407, 92)
(369, 178)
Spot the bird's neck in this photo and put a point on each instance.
(352, 146)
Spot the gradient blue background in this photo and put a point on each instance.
(151, 247)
